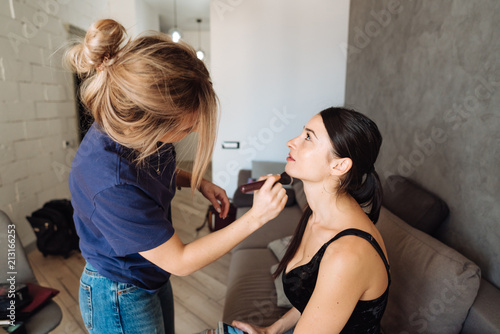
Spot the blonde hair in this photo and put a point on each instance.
(142, 89)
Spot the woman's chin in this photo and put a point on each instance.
(289, 170)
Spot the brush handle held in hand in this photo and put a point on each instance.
(249, 187)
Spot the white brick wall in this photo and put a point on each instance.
(37, 109)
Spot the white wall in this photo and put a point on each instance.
(123, 11)
(135, 15)
(146, 17)
(186, 148)
(274, 65)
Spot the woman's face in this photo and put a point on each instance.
(311, 153)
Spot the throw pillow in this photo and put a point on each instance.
(433, 286)
(282, 300)
(279, 246)
(413, 204)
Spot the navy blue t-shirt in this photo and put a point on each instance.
(122, 209)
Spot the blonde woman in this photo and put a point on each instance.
(144, 94)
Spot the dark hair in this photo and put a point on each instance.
(353, 136)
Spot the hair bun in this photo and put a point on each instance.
(102, 43)
(103, 40)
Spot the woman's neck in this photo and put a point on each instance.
(326, 205)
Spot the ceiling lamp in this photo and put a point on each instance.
(174, 32)
(199, 53)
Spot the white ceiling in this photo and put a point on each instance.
(187, 13)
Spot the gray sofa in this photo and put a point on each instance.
(434, 288)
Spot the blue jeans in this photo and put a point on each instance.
(120, 308)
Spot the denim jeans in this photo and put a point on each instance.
(120, 308)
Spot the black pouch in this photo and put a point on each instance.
(215, 223)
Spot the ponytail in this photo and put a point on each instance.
(369, 194)
(355, 136)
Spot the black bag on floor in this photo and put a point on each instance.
(54, 228)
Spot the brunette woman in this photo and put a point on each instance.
(335, 270)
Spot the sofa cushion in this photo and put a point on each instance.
(279, 227)
(281, 298)
(279, 246)
(241, 200)
(413, 204)
(251, 295)
(433, 286)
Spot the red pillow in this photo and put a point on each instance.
(40, 295)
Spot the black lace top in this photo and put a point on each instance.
(299, 285)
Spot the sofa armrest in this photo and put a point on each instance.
(251, 294)
(279, 227)
(483, 315)
(241, 200)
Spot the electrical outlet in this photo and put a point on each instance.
(231, 145)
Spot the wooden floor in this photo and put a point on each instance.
(199, 298)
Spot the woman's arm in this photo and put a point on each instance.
(183, 178)
(180, 259)
(215, 194)
(286, 322)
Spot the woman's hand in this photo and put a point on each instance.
(251, 329)
(269, 200)
(217, 196)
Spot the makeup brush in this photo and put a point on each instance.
(246, 188)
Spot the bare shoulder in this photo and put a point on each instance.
(348, 250)
(352, 254)
(358, 262)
